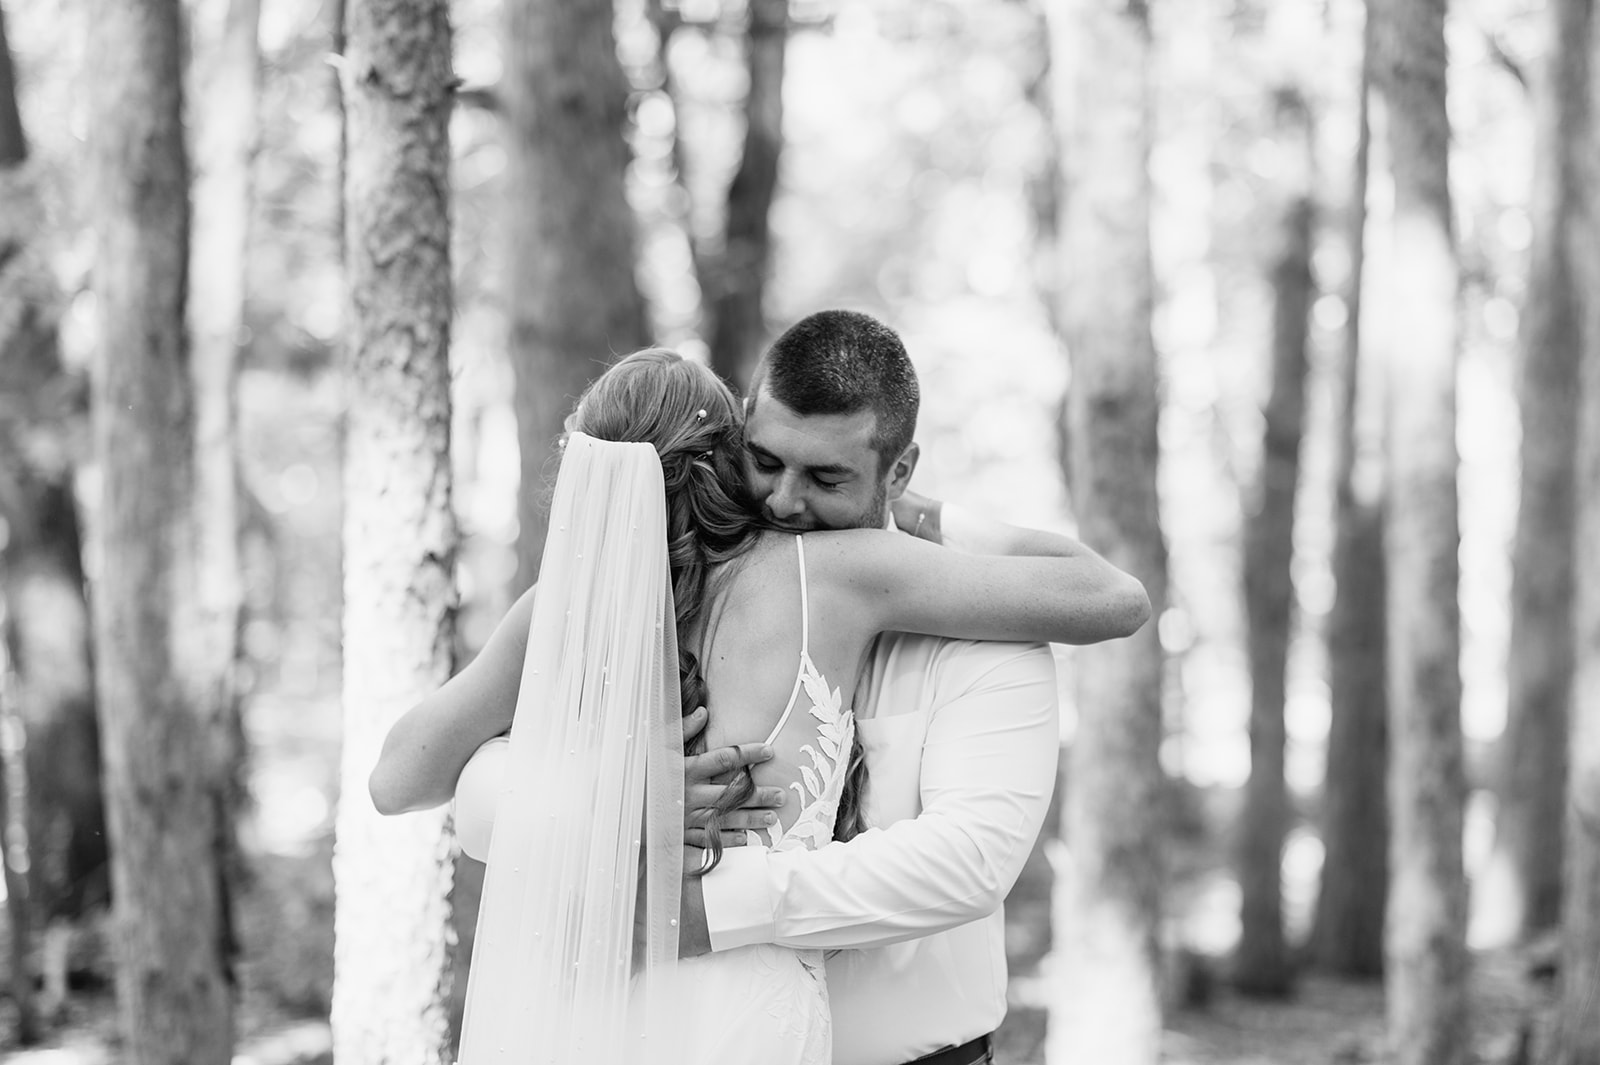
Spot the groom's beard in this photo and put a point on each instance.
(873, 517)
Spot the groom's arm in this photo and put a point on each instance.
(988, 768)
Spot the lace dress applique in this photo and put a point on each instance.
(821, 783)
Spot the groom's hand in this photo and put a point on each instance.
(707, 776)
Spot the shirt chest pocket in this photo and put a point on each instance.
(893, 746)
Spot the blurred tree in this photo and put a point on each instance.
(51, 807)
(1347, 931)
(1263, 965)
(1532, 792)
(734, 279)
(1576, 76)
(1106, 1002)
(159, 718)
(227, 78)
(393, 876)
(1425, 949)
(1043, 189)
(572, 296)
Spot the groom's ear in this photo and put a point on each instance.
(900, 471)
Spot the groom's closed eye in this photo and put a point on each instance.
(764, 461)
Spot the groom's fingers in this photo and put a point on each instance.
(699, 798)
(741, 819)
(748, 820)
(731, 837)
(706, 768)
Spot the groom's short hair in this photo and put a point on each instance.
(844, 362)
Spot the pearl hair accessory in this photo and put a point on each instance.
(700, 414)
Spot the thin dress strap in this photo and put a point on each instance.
(805, 640)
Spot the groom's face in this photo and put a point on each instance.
(816, 471)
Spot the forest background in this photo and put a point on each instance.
(1178, 230)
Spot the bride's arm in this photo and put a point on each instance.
(1061, 591)
(425, 751)
(423, 754)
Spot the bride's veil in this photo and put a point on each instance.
(589, 826)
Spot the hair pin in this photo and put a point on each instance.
(700, 414)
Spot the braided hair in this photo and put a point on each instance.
(656, 396)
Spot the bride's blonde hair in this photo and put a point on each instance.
(691, 417)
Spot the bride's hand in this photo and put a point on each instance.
(706, 777)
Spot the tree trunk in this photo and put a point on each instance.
(1263, 965)
(1347, 933)
(1577, 1037)
(1425, 952)
(54, 813)
(736, 280)
(1528, 835)
(228, 84)
(158, 718)
(573, 298)
(1108, 898)
(393, 876)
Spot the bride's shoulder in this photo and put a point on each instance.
(852, 542)
(851, 554)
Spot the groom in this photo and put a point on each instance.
(960, 737)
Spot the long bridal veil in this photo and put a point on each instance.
(588, 829)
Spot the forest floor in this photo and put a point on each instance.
(286, 932)
(1327, 1022)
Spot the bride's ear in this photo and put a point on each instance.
(900, 471)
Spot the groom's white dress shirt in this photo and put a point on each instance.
(961, 741)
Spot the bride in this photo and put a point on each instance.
(661, 592)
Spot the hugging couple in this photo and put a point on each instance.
(769, 742)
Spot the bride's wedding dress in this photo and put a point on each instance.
(575, 958)
(766, 1004)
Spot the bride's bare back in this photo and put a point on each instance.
(763, 615)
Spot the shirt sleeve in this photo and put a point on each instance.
(988, 769)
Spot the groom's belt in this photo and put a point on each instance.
(978, 1052)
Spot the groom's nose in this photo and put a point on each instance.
(785, 502)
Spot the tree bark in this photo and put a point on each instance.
(1347, 932)
(574, 303)
(1577, 1037)
(1108, 899)
(159, 722)
(13, 145)
(1425, 950)
(393, 876)
(53, 810)
(1528, 834)
(735, 281)
(225, 124)
(1263, 965)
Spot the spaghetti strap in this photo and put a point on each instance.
(805, 604)
(805, 640)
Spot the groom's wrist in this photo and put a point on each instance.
(738, 901)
